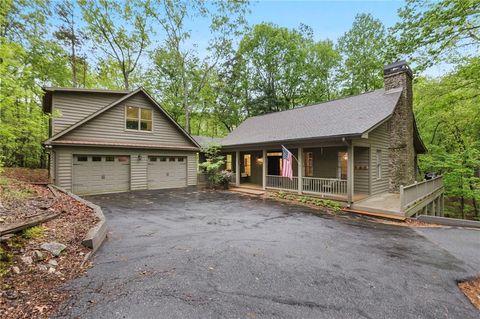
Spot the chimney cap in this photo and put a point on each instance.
(397, 67)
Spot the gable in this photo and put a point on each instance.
(109, 127)
(75, 106)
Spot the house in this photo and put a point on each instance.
(360, 149)
(105, 141)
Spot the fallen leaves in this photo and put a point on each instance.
(471, 289)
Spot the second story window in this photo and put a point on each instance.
(139, 119)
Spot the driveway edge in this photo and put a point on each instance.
(97, 234)
(446, 221)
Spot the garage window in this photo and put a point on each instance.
(109, 158)
(163, 159)
(138, 119)
(171, 159)
(96, 158)
(180, 159)
(82, 158)
(122, 159)
(153, 159)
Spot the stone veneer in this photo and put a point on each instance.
(402, 155)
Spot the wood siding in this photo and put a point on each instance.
(74, 106)
(138, 168)
(325, 161)
(378, 139)
(361, 159)
(110, 125)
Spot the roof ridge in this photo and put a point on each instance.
(93, 90)
(315, 104)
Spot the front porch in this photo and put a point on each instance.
(324, 171)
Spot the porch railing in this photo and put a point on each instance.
(233, 178)
(417, 192)
(280, 182)
(327, 186)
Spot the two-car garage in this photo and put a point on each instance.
(95, 174)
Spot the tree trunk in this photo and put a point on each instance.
(462, 206)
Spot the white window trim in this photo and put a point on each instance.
(139, 120)
(378, 164)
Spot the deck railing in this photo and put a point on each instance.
(280, 182)
(327, 186)
(415, 193)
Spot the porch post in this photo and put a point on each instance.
(300, 170)
(264, 169)
(350, 177)
(237, 168)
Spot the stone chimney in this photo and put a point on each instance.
(402, 155)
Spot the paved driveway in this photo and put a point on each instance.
(193, 254)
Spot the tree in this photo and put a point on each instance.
(186, 71)
(364, 52)
(120, 30)
(432, 32)
(69, 33)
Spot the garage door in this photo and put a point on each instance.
(167, 172)
(95, 174)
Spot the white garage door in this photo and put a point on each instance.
(95, 174)
(167, 172)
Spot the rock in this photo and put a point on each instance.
(42, 267)
(10, 294)
(16, 270)
(55, 248)
(27, 260)
(38, 255)
(53, 262)
(51, 270)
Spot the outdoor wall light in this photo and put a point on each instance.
(259, 160)
(139, 157)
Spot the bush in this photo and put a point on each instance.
(213, 166)
(330, 204)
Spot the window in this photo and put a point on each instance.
(379, 164)
(163, 159)
(308, 163)
(171, 159)
(82, 158)
(153, 159)
(228, 164)
(96, 158)
(139, 119)
(247, 164)
(180, 159)
(342, 165)
(109, 158)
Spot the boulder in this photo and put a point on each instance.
(55, 248)
(38, 255)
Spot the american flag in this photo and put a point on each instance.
(287, 170)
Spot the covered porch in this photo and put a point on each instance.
(339, 172)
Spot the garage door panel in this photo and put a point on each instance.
(166, 172)
(109, 174)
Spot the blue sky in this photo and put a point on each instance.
(329, 19)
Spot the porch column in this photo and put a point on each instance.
(264, 169)
(300, 170)
(237, 168)
(350, 177)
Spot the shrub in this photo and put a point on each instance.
(213, 165)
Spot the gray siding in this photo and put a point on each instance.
(110, 125)
(74, 106)
(361, 158)
(378, 139)
(138, 168)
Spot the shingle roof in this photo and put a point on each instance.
(348, 116)
(205, 140)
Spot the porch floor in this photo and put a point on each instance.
(388, 203)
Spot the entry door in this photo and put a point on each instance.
(167, 172)
(96, 174)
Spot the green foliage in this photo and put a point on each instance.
(33, 232)
(364, 50)
(213, 164)
(433, 32)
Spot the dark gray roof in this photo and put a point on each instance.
(205, 140)
(350, 116)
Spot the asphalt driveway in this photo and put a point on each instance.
(195, 254)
